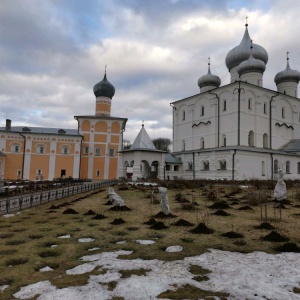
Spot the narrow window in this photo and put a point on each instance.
(86, 150)
(202, 143)
(111, 152)
(202, 110)
(265, 140)
(250, 103)
(283, 112)
(287, 168)
(263, 171)
(97, 173)
(298, 167)
(97, 151)
(275, 166)
(190, 166)
(17, 148)
(183, 145)
(265, 107)
(224, 105)
(19, 174)
(65, 150)
(41, 150)
(183, 115)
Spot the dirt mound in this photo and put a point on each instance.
(54, 207)
(283, 201)
(265, 225)
(89, 213)
(108, 203)
(182, 222)
(117, 221)
(161, 215)
(288, 247)
(158, 226)
(297, 205)
(275, 237)
(181, 199)
(120, 208)
(232, 235)
(70, 211)
(246, 207)
(280, 205)
(123, 188)
(99, 217)
(234, 202)
(221, 212)
(150, 222)
(220, 205)
(202, 229)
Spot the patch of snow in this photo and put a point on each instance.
(46, 269)
(256, 275)
(174, 249)
(64, 236)
(8, 215)
(3, 287)
(85, 240)
(53, 246)
(121, 242)
(93, 249)
(145, 242)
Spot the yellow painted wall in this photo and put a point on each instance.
(100, 138)
(101, 126)
(113, 164)
(13, 163)
(114, 139)
(64, 162)
(39, 162)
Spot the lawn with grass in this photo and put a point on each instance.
(56, 235)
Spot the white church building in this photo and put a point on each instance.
(237, 131)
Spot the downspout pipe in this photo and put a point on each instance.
(193, 165)
(218, 116)
(270, 120)
(24, 149)
(233, 164)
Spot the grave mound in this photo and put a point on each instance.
(274, 236)
(202, 229)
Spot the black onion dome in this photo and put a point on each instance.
(251, 65)
(241, 52)
(209, 80)
(287, 75)
(104, 88)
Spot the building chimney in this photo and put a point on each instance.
(8, 124)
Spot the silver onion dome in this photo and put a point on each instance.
(287, 75)
(241, 52)
(251, 65)
(209, 79)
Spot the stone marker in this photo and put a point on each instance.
(115, 198)
(280, 188)
(164, 202)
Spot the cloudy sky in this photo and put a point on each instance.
(53, 52)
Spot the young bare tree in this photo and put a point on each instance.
(162, 144)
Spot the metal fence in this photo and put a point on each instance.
(25, 201)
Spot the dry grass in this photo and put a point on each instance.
(25, 246)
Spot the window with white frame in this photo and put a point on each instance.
(97, 151)
(15, 148)
(111, 152)
(41, 149)
(189, 166)
(65, 150)
(86, 150)
(19, 174)
(222, 165)
(206, 165)
(97, 173)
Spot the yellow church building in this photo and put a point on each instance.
(89, 152)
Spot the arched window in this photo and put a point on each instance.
(250, 103)
(183, 115)
(222, 165)
(283, 112)
(265, 140)
(287, 168)
(275, 166)
(251, 138)
(224, 105)
(206, 165)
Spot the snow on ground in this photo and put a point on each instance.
(67, 236)
(145, 242)
(46, 269)
(174, 249)
(85, 240)
(250, 276)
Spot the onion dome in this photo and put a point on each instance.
(104, 88)
(241, 52)
(287, 75)
(251, 65)
(209, 79)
